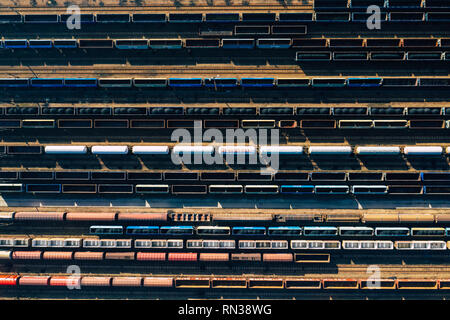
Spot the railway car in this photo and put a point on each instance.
(11, 187)
(276, 43)
(355, 124)
(371, 189)
(159, 243)
(225, 189)
(433, 82)
(423, 151)
(14, 82)
(332, 17)
(290, 83)
(309, 43)
(313, 56)
(251, 30)
(365, 3)
(40, 43)
(427, 232)
(132, 44)
(325, 189)
(115, 82)
(330, 150)
(222, 17)
(404, 4)
(150, 150)
(281, 150)
(47, 82)
(149, 18)
(65, 43)
(435, 176)
(212, 230)
(320, 231)
(320, 5)
(177, 230)
(406, 16)
(113, 18)
(11, 18)
(437, 16)
(328, 82)
(354, 56)
(424, 56)
(315, 245)
(80, 82)
(392, 231)
(238, 43)
(221, 82)
(420, 245)
(202, 43)
(400, 82)
(436, 189)
(185, 17)
(165, 44)
(185, 82)
(297, 189)
(257, 82)
(390, 124)
(106, 230)
(367, 245)
(109, 150)
(375, 151)
(15, 43)
(11, 241)
(149, 82)
(288, 30)
(355, 231)
(236, 150)
(261, 189)
(295, 17)
(387, 56)
(43, 188)
(249, 231)
(364, 82)
(83, 18)
(284, 231)
(142, 230)
(65, 149)
(219, 244)
(377, 245)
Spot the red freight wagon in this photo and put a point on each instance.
(91, 216)
(151, 256)
(8, 280)
(39, 216)
(175, 256)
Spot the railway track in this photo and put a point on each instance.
(162, 7)
(148, 70)
(297, 272)
(200, 70)
(221, 295)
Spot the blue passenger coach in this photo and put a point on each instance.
(178, 230)
(142, 230)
